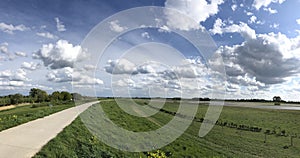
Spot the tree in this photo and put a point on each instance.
(16, 98)
(66, 96)
(77, 96)
(38, 95)
(55, 96)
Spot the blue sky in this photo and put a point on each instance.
(259, 41)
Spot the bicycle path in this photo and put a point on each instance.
(27, 139)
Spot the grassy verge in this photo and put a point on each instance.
(222, 141)
(19, 115)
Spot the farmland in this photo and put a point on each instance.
(231, 137)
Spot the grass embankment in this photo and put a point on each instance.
(19, 115)
(222, 140)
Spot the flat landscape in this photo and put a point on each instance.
(149, 78)
(239, 132)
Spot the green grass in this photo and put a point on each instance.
(222, 141)
(16, 116)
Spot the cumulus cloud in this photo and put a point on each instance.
(234, 7)
(17, 75)
(115, 26)
(46, 35)
(267, 59)
(7, 84)
(60, 55)
(60, 75)
(145, 35)
(198, 10)
(21, 54)
(30, 66)
(217, 28)
(249, 13)
(89, 67)
(298, 21)
(189, 77)
(191, 69)
(9, 28)
(252, 19)
(270, 10)
(265, 3)
(242, 28)
(59, 25)
(67, 74)
(4, 50)
(274, 26)
(121, 66)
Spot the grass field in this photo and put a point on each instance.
(19, 115)
(224, 140)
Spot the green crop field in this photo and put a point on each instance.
(239, 132)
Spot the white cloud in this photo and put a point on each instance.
(67, 74)
(164, 29)
(189, 78)
(115, 26)
(9, 28)
(259, 22)
(275, 26)
(121, 66)
(252, 19)
(260, 3)
(17, 75)
(145, 35)
(89, 67)
(43, 27)
(242, 28)
(217, 29)
(60, 55)
(270, 10)
(298, 21)
(198, 10)
(46, 35)
(265, 60)
(249, 13)
(59, 25)
(11, 84)
(21, 54)
(30, 65)
(190, 69)
(60, 75)
(3, 48)
(234, 7)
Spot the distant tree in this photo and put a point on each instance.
(5, 101)
(66, 96)
(16, 98)
(276, 100)
(77, 96)
(38, 95)
(55, 96)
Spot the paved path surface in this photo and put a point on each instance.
(26, 140)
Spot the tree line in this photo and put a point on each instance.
(39, 96)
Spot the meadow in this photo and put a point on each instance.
(239, 132)
(22, 114)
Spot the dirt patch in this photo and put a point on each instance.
(13, 106)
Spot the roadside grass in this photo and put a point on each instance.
(19, 115)
(222, 141)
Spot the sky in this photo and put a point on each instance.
(232, 49)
